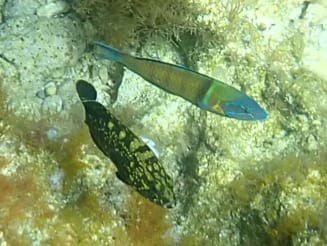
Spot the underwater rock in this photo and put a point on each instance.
(41, 94)
(40, 50)
(237, 183)
(20, 8)
(50, 89)
(52, 104)
(315, 51)
(53, 8)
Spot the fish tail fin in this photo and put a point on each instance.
(107, 52)
(86, 91)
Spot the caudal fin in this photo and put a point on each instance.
(86, 91)
(107, 52)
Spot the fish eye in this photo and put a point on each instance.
(245, 109)
(238, 111)
(236, 107)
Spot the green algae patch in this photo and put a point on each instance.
(70, 154)
(34, 207)
(191, 240)
(86, 223)
(65, 150)
(32, 212)
(147, 223)
(275, 173)
(278, 202)
(301, 221)
(288, 194)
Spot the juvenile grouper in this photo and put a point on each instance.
(136, 164)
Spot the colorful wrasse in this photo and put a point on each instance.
(136, 163)
(205, 92)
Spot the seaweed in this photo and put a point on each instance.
(276, 182)
(147, 224)
(130, 24)
(123, 23)
(21, 197)
(87, 222)
(279, 203)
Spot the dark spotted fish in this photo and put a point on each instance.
(136, 163)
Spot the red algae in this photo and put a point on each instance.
(20, 200)
(6, 188)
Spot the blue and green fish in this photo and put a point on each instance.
(136, 164)
(205, 92)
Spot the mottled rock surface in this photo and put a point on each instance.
(237, 183)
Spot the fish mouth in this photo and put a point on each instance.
(244, 108)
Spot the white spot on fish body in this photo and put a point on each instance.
(152, 145)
